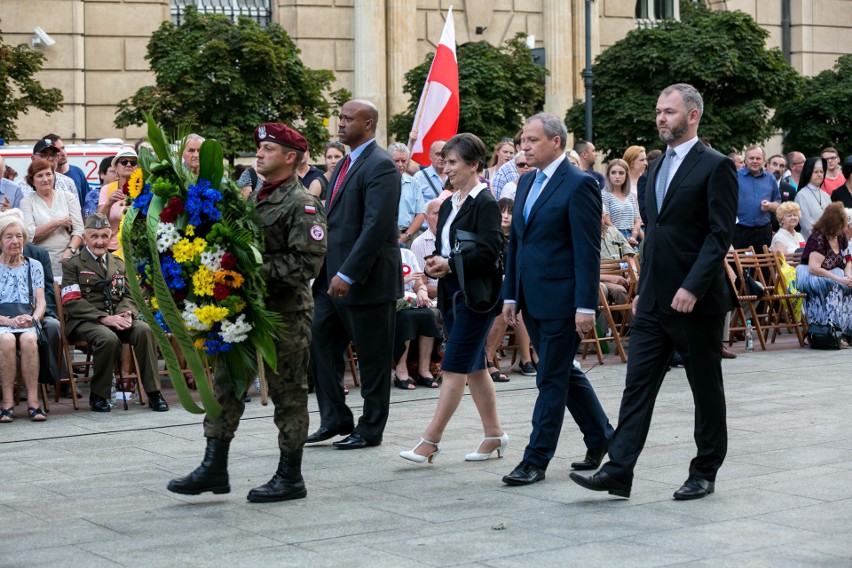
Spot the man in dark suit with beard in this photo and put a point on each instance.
(691, 205)
(355, 293)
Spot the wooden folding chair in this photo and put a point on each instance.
(65, 347)
(592, 339)
(622, 267)
(353, 364)
(738, 321)
(785, 314)
(19, 384)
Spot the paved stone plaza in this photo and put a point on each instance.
(86, 489)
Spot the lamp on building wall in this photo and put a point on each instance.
(41, 38)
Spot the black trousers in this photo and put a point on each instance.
(371, 329)
(745, 237)
(653, 339)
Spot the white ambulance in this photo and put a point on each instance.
(87, 157)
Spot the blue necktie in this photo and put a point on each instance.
(663, 178)
(534, 193)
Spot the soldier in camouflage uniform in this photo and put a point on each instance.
(294, 226)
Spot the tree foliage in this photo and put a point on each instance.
(498, 88)
(19, 89)
(223, 79)
(722, 54)
(814, 118)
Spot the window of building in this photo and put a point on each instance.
(649, 12)
(257, 10)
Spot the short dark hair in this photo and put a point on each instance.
(469, 148)
(106, 163)
(581, 146)
(505, 204)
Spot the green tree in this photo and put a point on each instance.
(814, 118)
(19, 90)
(222, 79)
(498, 88)
(722, 54)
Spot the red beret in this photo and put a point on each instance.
(280, 134)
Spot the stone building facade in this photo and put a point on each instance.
(99, 54)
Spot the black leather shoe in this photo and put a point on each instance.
(322, 434)
(354, 441)
(602, 482)
(156, 402)
(98, 404)
(593, 459)
(694, 488)
(525, 474)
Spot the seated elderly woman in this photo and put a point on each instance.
(787, 240)
(21, 303)
(825, 273)
(414, 320)
(52, 217)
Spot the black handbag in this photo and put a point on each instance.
(481, 294)
(824, 336)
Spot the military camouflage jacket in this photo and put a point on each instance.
(294, 230)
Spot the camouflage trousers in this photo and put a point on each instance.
(288, 388)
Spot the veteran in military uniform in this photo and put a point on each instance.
(99, 309)
(294, 227)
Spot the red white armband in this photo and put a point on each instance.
(71, 292)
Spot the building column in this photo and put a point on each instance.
(558, 48)
(371, 60)
(402, 51)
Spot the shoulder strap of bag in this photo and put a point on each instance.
(432, 185)
(30, 281)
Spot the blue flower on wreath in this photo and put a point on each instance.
(214, 344)
(143, 201)
(158, 315)
(201, 203)
(172, 273)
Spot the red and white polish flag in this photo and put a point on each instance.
(437, 116)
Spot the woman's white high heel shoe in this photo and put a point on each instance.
(412, 456)
(501, 449)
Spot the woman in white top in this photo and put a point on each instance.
(787, 240)
(52, 217)
(622, 208)
(637, 163)
(511, 188)
(810, 197)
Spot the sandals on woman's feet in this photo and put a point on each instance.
(499, 377)
(6, 415)
(406, 384)
(428, 382)
(36, 414)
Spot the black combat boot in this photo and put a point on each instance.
(211, 475)
(286, 484)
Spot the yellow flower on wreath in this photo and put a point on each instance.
(229, 278)
(189, 231)
(134, 184)
(199, 343)
(211, 314)
(202, 282)
(185, 250)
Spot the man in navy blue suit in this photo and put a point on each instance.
(552, 276)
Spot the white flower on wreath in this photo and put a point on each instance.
(212, 258)
(167, 236)
(235, 332)
(191, 320)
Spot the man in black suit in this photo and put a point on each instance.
(355, 293)
(691, 205)
(552, 276)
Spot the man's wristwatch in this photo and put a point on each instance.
(73, 250)
(408, 236)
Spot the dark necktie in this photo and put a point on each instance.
(343, 169)
(663, 178)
